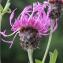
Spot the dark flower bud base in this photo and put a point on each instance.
(28, 38)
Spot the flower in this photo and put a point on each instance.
(32, 23)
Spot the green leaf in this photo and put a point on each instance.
(6, 8)
(38, 61)
(42, 62)
(53, 56)
(1, 8)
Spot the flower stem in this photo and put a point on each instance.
(30, 53)
(48, 45)
(0, 21)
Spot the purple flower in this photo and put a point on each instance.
(33, 22)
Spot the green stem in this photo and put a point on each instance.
(48, 45)
(0, 21)
(30, 53)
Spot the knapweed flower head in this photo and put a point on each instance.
(57, 7)
(32, 23)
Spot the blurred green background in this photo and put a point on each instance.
(16, 54)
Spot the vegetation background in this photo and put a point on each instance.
(16, 54)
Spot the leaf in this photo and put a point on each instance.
(6, 8)
(1, 8)
(37, 61)
(53, 56)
